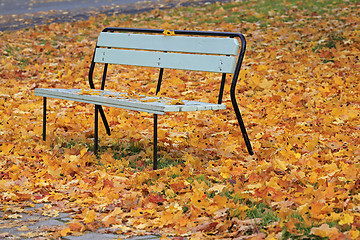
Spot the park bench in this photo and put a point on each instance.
(219, 52)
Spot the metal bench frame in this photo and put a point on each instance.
(99, 109)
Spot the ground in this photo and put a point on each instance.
(298, 93)
(16, 15)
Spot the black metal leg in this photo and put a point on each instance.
(155, 142)
(96, 129)
(222, 86)
(243, 129)
(44, 119)
(103, 117)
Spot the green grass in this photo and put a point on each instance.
(68, 143)
(264, 11)
(167, 162)
(304, 231)
(255, 211)
(232, 19)
(261, 210)
(9, 50)
(16, 53)
(330, 42)
(121, 151)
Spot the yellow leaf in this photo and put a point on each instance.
(142, 177)
(324, 231)
(150, 100)
(220, 201)
(7, 148)
(225, 172)
(259, 135)
(176, 102)
(255, 80)
(311, 145)
(108, 220)
(23, 228)
(64, 232)
(354, 233)
(117, 211)
(119, 229)
(89, 216)
(338, 81)
(266, 84)
(257, 145)
(169, 32)
(82, 152)
(218, 188)
(346, 219)
(54, 171)
(273, 183)
(13, 216)
(51, 213)
(166, 218)
(279, 164)
(254, 186)
(86, 91)
(334, 217)
(195, 162)
(170, 193)
(199, 199)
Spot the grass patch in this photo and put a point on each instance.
(164, 162)
(264, 11)
(300, 229)
(141, 160)
(261, 210)
(69, 143)
(10, 50)
(232, 19)
(331, 41)
(135, 153)
(251, 210)
(300, 226)
(254, 211)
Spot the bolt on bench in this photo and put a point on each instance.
(218, 52)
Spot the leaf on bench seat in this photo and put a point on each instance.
(169, 32)
(131, 96)
(175, 102)
(119, 95)
(150, 100)
(90, 92)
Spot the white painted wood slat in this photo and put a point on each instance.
(207, 63)
(205, 45)
(157, 105)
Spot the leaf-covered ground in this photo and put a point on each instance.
(299, 95)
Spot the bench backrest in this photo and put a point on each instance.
(209, 54)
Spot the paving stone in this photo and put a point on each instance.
(108, 236)
(47, 223)
(10, 230)
(149, 237)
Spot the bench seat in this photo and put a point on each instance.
(150, 104)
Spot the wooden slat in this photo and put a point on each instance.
(207, 63)
(206, 45)
(74, 95)
(160, 106)
(190, 106)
